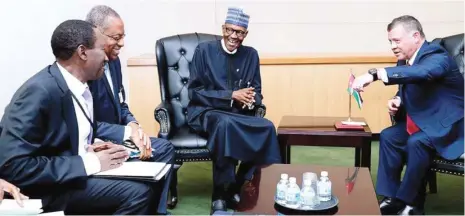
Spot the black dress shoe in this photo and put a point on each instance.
(172, 202)
(391, 206)
(218, 205)
(411, 210)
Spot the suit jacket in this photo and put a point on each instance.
(432, 94)
(110, 109)
(39, 137)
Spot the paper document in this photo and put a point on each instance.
(31, 207)
(138, 170)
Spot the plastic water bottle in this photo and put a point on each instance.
(308, 195)
(293, 193)
(281, 189)
(324, 187)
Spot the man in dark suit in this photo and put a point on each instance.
(115, 122)
(431, 91)
(47, 129)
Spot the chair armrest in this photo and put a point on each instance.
(162, 116)
(260, 110)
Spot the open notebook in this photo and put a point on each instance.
(137, 170)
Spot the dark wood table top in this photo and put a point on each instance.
(258, 197)
(311, 125)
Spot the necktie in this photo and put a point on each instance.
(90, 111)
(411, 126)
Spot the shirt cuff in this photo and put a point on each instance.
(382, 74)
(91, 163)
(127, 132)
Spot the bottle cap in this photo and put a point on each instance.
(284, 176)
(324, 173)
(292, 180)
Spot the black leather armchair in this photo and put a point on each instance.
(174, 55)
(454, 45)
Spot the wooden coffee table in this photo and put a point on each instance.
(258, 196)
(320, 131)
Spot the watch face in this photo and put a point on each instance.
(372, 71)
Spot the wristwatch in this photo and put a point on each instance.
(374, 73)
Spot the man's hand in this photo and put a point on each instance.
(110, 156)
(362, 81)
(244, 96)
(142, 141)
(13, 190)
(393, 105)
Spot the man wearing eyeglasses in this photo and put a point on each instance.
(224, 88)
(115, 122)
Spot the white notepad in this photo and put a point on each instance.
(31, 207)
(141, 170)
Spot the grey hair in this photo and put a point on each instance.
(410, 23)
(99, 14)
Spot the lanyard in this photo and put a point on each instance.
(82, 109)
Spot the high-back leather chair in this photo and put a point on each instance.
(454, 45)
(174, 55)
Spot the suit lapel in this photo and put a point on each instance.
(69, 113)
(107, 86)
(115, 82)
(423, 51)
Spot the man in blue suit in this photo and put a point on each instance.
(47, 128)
(431, 91)
(115, 122)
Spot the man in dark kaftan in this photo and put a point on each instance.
(224, 87)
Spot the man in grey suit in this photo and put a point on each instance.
(47, 129)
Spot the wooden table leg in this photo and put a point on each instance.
(288, 154)
(366, 153)
(283, 148)
(357, 157)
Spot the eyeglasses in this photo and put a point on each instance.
(239, 33)
(117, 38)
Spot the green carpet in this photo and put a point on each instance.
(195, 181)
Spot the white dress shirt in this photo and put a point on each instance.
(127, 129)
(90, 160)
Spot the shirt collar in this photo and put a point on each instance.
(106, 68)
(74, 85)
(226, 49)
(411, 60)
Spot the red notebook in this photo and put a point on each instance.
(340, 126)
